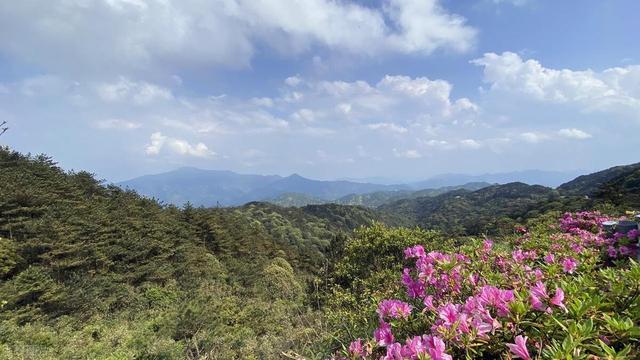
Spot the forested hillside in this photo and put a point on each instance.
(590, 184)
(95, 271)
(91, 270)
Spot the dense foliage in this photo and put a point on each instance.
(565, 291)
(92, 271)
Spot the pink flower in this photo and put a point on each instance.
(612, 252)
(356, 349)
(414, 288)
(519, 349)
(538, 274)
(549, 258)
(383, 334)
(624, 250)
(487, 245)
(428, 303)
(558, 299)
(569, 265)
(633, 234)
(537, 296)
(518, 255)
(436, 348)
(492, 296)
(448, 313)
(394, 309)
(414, 347)
(394, 352)
(414, 252)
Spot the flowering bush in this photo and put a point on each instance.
(567, 290)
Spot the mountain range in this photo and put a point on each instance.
(225, 188)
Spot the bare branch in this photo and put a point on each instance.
(3, 129)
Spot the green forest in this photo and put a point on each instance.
(92, 271)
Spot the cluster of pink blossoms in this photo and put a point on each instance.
(439, 282)
(588, 228)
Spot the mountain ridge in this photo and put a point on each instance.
(202, 187)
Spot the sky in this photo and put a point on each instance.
(400, 89)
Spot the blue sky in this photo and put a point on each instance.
(402, 89)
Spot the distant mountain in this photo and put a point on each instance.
(226, 188)
(473, 212)
(531, 177)
(379, 198)
(326, 190)
(592, 183)
(200, 187)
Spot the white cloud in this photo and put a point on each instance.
(574, 134)
(470, 144)
(118, 124)
(125, 36)
(388, 127)
(408, 154)
(139, 92)
(533, 137)
(416, 101)
(440, 144)
(293, 81)
(304, 115)
(176, 146)
(263, 101)
(344, 108)
(512, 2)
(612, 90)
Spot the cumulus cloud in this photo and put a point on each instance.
(395, 103)
(470, 144)
(574, 134)
(139, 36)
(612, 90)
(293, 81)
(533, 137)
(540, 136)
(140, 92)
(158, 142)
(388, 127)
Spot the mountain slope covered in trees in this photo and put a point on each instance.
(95, 271)
(590, 184)
(91, 271)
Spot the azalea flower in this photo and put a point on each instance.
(356, 348)
(569, 265)
(394, 352)
(518, 255)
(383, 334)
(414, 252)
(487, 245)
(448, 313)
(558, 299)
(519, 349)
(394, 309)
(436, 348)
